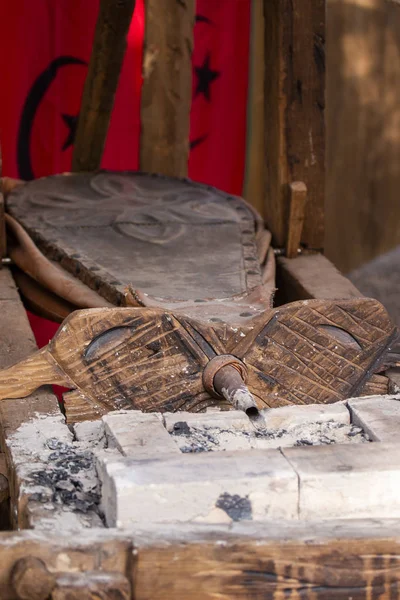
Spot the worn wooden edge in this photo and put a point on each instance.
(61, 555)
(330, 559)
(311, 276)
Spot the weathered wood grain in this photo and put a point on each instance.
(92, 585)
(3, 242)
(311, 276)
(335, 561)
(328, 561)
(297, 208)
(253, 186)
(101, 82)
(363, 130)
(149, 359)
(32, 563)
(166, 93)
(294, 113)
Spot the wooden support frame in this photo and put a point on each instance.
(294, 114)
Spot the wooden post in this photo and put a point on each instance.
(3, 243)
(101, 82)
(167, 87)
(254, 185)
(294, 113)
(297, 208)
(3, 246)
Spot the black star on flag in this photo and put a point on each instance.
(71, 122)
(205, 77)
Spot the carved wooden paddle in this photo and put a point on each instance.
(312, 351)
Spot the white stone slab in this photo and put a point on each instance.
(232, 419)
(137, 434)
(208, 487)
(288, 417)
(348, 482)
(379, 416)
(91, 433)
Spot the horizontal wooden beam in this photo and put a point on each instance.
(331, 560)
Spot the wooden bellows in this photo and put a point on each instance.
(312, 351)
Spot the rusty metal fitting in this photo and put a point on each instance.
(215, 364)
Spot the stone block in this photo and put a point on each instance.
(288, 417)
(208, 487)
(379, 416)
(232, 420)
(345, 482)
(137, 434)
(90, 433)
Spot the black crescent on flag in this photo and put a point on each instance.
(31, 105)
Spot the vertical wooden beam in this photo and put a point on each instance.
(3, 244)
(297, 208)
(294, 113)
(253, 189)
(167, 86)
(101, 82)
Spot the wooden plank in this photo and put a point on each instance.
(363, 130)
(294, 107)
(307, 561)
(328, 561)
(297, 208)
(101, 82)
(94, 585)
(311, 276)
(166, 90)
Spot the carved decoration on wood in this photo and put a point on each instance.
(154, 360)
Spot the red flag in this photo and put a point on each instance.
(220, 82)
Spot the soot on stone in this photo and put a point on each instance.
(238, 508)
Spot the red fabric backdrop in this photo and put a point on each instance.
(45, 47)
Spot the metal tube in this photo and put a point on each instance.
(228, 383)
